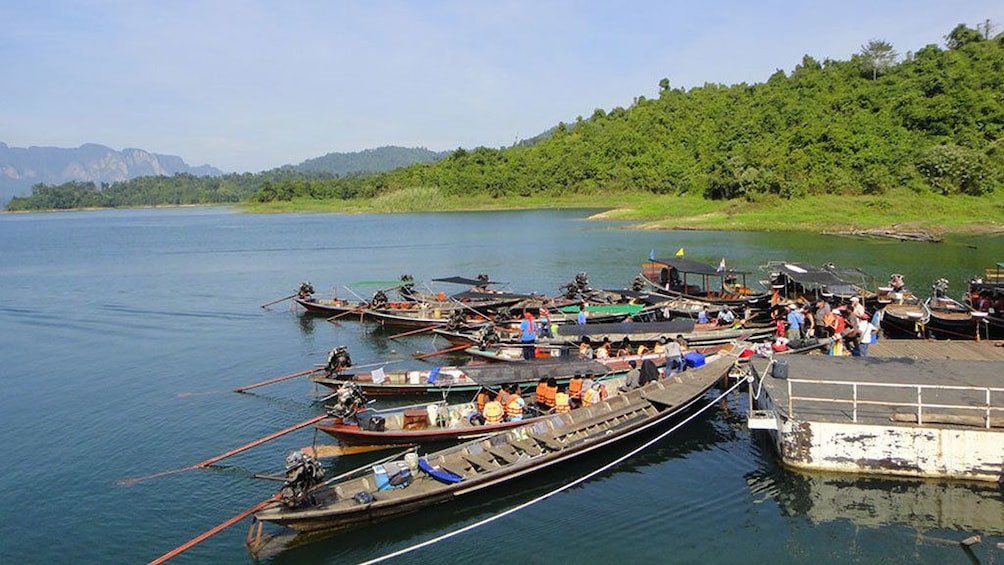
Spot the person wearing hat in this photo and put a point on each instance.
(795, 322)
(528, 335)
(858, 309)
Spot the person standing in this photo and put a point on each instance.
(794, 320)
(866, 332)
(528, 335)
(581, 318)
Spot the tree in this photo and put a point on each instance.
(985, 29)
(878, 56)
(962, 36)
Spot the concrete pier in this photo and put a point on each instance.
(915, 417)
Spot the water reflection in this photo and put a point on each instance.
(924, 505)
(706, 432)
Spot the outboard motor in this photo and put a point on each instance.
(456, 320)
(338, 361)
(379, 299)
(407, 288)
(940, 288)
(487, 335)
(303, 472)
(348, 400)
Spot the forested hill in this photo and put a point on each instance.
(931, 120)
(185, 188)
(370, 160)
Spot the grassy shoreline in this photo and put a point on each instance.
(902, 211)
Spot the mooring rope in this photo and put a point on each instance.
(562, 488)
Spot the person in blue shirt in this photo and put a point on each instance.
(702, 316)
(581, 319)
(528, 335)
(795, 322)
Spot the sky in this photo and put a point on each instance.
(249, 85)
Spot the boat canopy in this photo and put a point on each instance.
(495, 374)
(669, 328)
(697, 268)
(465, 280)
(626, 309)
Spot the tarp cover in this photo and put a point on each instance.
(807, 274)
(465, 280)
(531, 371)
(596, 331)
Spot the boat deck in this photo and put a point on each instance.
(887, 391)
(930, 349)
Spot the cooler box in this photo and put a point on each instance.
(693, 359)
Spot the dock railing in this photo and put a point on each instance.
(988, 410)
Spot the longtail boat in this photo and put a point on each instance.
(414, 480)
(463, 379)
(431, 422)
(719, 286)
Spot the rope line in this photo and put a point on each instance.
(560, 489)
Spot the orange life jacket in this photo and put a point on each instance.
(513, 408)
(575, 387)
(493, 412)
(540, 394)
(548, 397)
(590, 396)
(482, 400)
(561, 404)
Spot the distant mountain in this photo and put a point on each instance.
(21, 168)
(369, 161)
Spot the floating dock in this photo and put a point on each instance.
(937, 412)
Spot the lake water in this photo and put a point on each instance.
(124, 332)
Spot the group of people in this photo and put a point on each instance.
(508, 404)
(849, 326)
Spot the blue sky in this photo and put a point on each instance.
(252, 85)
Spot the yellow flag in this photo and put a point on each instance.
(680, 253)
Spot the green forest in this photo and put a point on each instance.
(929, 121)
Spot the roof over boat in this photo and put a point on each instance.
(695, 267)
(807, 274)
(494, 374)
(669, 328)
(465, 280)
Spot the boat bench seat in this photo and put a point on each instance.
(602, 416)
(547, 440)
(479, 461)
(526, 446)
(454, 469)
(506, 456)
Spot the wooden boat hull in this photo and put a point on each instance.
(904, 320)
(484, 463)
(329, 307)
(460, 379)
(951, 320)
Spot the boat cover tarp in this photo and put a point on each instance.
(477, 296)
(809, 275)
(626, 309)
(465, 280)
(495, 374)
(668, 328)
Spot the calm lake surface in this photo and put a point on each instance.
(124, 332)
